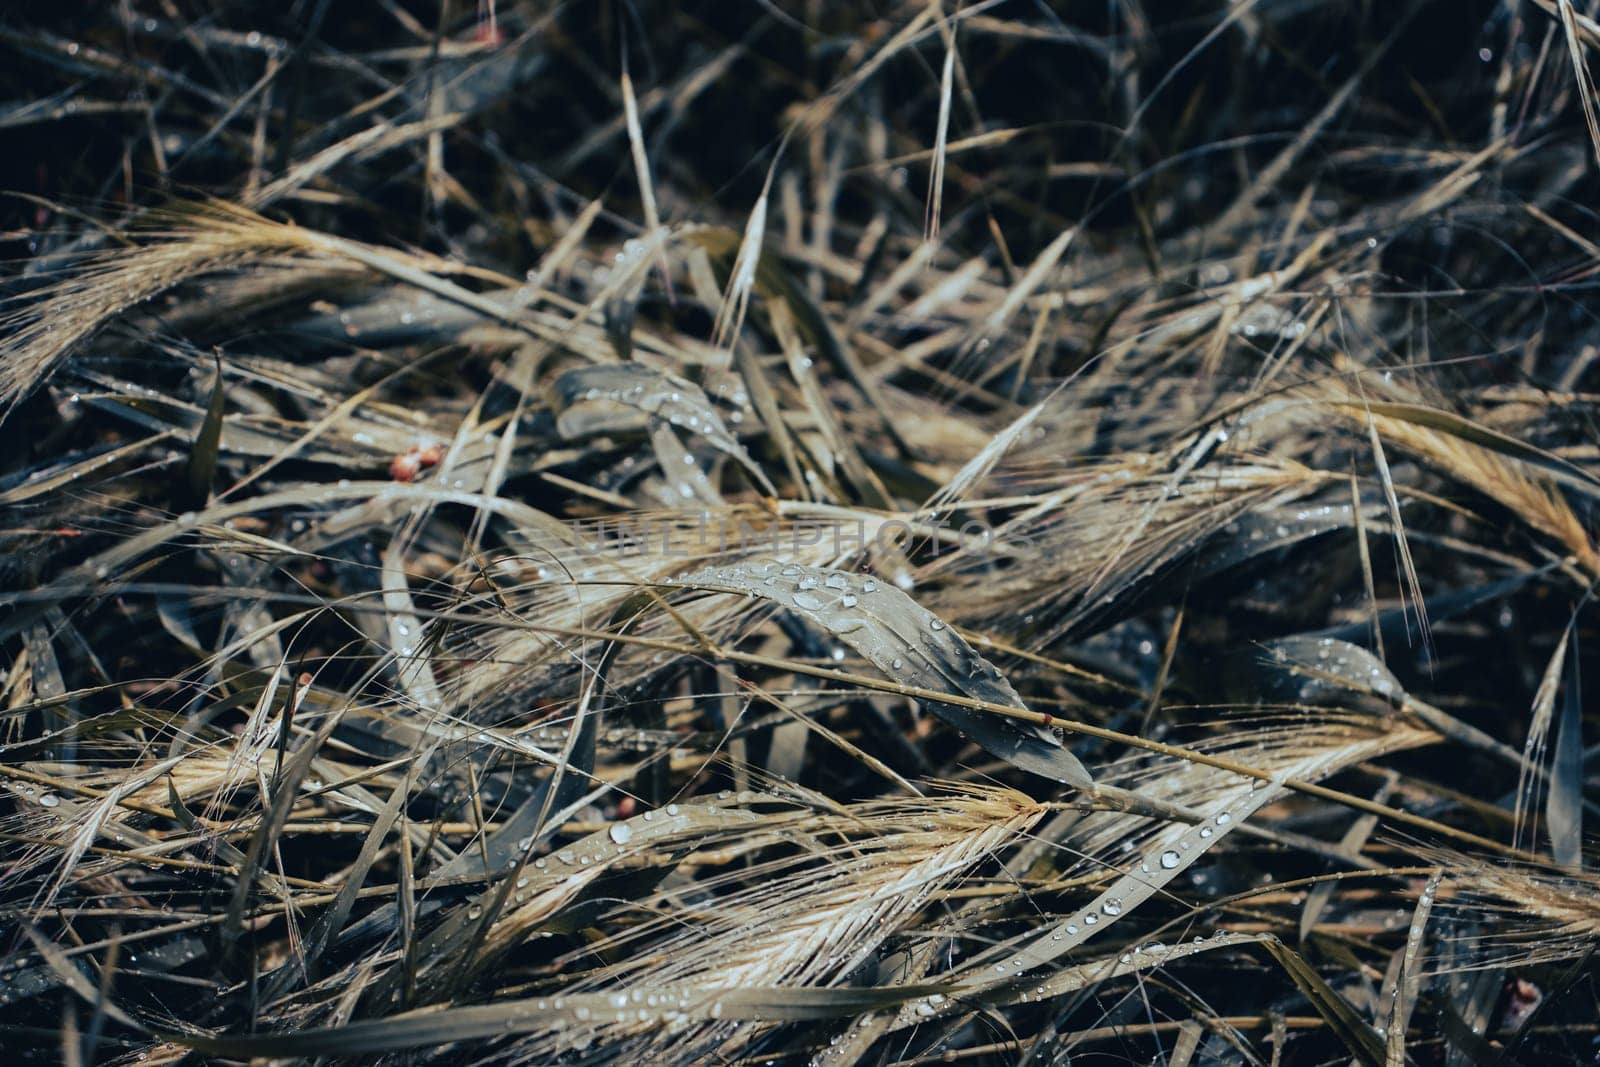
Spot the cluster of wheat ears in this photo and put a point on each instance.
(1253, 337)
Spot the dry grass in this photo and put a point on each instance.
(807, 533)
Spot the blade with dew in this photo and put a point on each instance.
(678, 403)
(429, 1028)
(1171, 852)
(1407, 986)
(908, 643)
(1564, 805)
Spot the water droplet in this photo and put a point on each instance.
(1169, 859)
(49, 800)
(621, 833)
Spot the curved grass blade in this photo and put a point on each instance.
(427, 1028)
(679, 403)
(849, 1046)
(1259, 532)
(1409, 981)
(1362, 1041)
(1317, 670)
(908, 643)
(1565, 471)
(1171, 852)
(74, 979)
(207, 443)
(1564, 806)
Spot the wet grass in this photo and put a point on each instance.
(815, 533)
